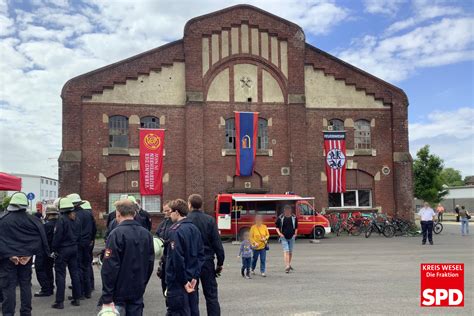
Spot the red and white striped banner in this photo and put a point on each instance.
(335, 149)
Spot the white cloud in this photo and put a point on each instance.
(450, 135)
(423, 11)
(395, 58)
(387, 7)
(42, 48)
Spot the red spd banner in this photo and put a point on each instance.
(335, 149)
(442, 285)
(151, 161)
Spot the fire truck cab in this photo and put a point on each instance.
(235, 213)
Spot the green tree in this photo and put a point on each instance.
(451, 177)
(427, 170)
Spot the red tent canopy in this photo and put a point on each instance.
(9, 182)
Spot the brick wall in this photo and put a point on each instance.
(195, 136)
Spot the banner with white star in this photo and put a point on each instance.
(335, 149)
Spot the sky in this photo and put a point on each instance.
(424, 47)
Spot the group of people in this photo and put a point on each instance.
(193, 255)
(64, 238)
(255, 242)
(428, 215)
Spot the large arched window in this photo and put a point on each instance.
(362, 139)
(149, 122)
(336, 125)
(118, 131)
(262, 134)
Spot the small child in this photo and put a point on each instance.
(246, 254)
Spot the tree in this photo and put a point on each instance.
(427, 169)
(451, 177)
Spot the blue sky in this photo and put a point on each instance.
(424, 47)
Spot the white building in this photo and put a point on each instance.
(45, 189)
(462, 195)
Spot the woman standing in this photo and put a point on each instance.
(259, 239)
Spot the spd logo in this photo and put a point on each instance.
(442, 284)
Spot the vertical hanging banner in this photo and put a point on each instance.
(152, 142)
(335, 149)
(246, 131)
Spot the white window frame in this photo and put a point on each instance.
(146, 204)
(357, 200)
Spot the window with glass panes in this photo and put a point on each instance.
(262, 133)
(118, 131)
(151, 203)
(351, 198)
(362, 138)
(150, 122)
(336, 124)
(229, 134)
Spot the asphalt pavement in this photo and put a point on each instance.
(337, 276)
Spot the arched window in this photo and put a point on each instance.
(149, 122)
(229, 134)
(336, 125)
(118, 131)
(362, 138)
(262, 133)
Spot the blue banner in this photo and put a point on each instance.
(246, 130)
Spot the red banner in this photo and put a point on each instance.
(335, 149)
(152, 142)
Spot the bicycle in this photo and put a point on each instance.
(386, 229)
(349, 225)
(437, 227)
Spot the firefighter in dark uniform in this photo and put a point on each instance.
(44, 264)
(88, 228)
(22, 236)
(162, 232)
(184, 261)
(144, 216)
(128, 262)
(86, 205)
(212, 249)
(67, 235)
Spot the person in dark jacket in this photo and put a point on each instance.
(143, 216)
(163, 232)
(67, 235)
(44, 264)
(212, 249)
(21, 237)
(128, 262)
(184, 262)
(88, 229)
(88, 208)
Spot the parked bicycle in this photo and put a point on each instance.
(383, 227)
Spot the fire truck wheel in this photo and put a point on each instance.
(242, 231)
(318, 233)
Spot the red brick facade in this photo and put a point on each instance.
(194, 160)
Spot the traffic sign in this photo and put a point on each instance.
(30, 196)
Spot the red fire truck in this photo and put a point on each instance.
(235, 213)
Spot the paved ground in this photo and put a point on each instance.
(338, 276)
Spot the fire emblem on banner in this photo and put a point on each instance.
(246, 132)
(151, 161)
(335, 149)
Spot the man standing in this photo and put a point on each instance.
(163, 232)
(143, 216)
(184, 261)
(440, 211)
(287, 229)
(88, 229)
(22, 236)
(212, 248)
(427, 215)
(128, 262)
(44, 265)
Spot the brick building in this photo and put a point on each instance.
(237, 59)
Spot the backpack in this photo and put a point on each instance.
(293, 220)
